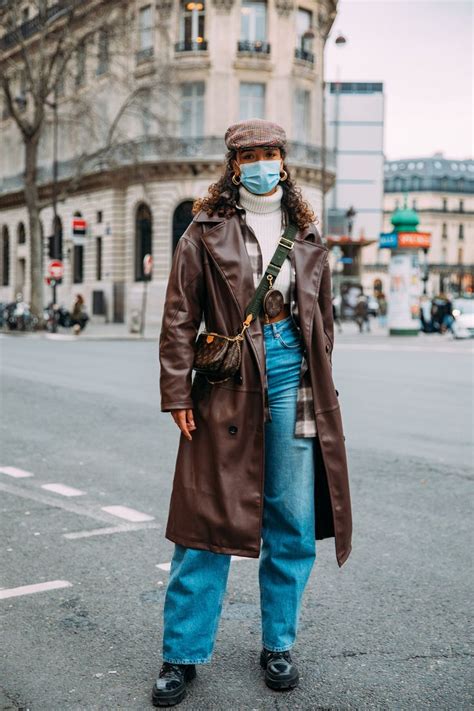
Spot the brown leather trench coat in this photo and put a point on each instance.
(217, 495)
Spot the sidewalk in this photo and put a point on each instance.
(94, 331)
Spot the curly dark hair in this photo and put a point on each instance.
(223, 195)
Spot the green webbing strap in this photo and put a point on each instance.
(276, 262)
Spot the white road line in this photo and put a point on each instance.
(167, 566)
(63, 489)
(106, 531)
(164, 566)
(55, 502)
(29, 589)
(17, 473)
(127, 513)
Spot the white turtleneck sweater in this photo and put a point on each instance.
(264, 216)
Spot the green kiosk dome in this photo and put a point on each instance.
(405, 219)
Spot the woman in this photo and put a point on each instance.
(261, 467)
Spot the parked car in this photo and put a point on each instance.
(463, 312)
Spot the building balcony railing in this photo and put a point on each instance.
(143, 55)
(145, 150)
(190, 46)
(304, 54)
(30, 27)
(258, 47)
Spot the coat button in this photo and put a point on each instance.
(233, 429)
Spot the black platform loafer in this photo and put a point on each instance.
(280, 671)
(170, 687)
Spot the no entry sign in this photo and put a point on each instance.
(56, 269)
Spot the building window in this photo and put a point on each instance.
(145, 33)
(461, 206)
(445, 204)
(81, 64)
(460, 255)
(302, 115)
(415, 183)
(252, 100)
(99, 216)
(193, 17)
(253, 22)
(143, 239)
(444, 232)
(182, 216)
(461, 232)
(78, 264)
(443, 255)
(21, 233)
(413, 204)
(55, 241)
(102, 52)
(304, 44)
(5, 257)
(98, 258)
(192, 109)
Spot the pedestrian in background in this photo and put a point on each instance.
(361, 313)
(335, 316)
(79, 316)
(382, 312)
(261, 468)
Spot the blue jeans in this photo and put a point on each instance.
(198, 578)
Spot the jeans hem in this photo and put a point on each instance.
(202, 660)
(278, 649)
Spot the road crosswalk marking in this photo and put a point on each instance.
(6, 593)
(63, 490)
(15, 472)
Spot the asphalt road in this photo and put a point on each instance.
(389, 630)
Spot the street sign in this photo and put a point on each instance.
(388, 240)
(79, 227)
(56, 269)
(147, 264)
(414, 240)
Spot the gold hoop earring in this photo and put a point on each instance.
(286, 176)
(236, 182)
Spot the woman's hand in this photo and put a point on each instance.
(185, 421)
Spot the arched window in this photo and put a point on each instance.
(143, 238)
(5, 256)
(181, 219)
(21, 232)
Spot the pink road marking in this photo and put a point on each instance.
(63, 489)
(17, 473)
(127, 514)
(29, 589)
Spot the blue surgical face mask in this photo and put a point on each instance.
(260, 176)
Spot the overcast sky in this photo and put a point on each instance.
(422, 51)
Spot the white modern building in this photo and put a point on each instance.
(355, 131)
(140, 123)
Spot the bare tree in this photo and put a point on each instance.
(38, 57)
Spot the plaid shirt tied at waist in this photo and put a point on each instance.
(305, 417)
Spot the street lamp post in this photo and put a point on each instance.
(324, 25)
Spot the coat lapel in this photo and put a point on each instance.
(225, 243)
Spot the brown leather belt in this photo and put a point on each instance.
(284, 313)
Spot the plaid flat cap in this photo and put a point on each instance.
(255, 132)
